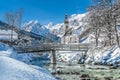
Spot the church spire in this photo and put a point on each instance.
(66, 22)
(66, 19)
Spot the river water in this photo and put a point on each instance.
(72, 71)
(67, 71)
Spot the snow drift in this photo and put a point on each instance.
(11, 69)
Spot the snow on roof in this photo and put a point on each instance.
(6, 35)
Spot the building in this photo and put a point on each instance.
(68, 37)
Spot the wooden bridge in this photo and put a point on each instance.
(50, 47)
(53, 48)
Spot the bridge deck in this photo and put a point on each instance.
(49, 47)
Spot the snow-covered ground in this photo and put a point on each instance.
(68, 56)
(12, 69)
(107, 55)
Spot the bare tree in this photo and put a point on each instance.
(14, 20)
(104, 14)
(11, 18)
(19, 15)
(95, 21)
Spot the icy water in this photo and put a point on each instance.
(65, 71)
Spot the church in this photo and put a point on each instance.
(68, 36)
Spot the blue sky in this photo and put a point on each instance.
(44, 11)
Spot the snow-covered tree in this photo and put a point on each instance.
(104, 17)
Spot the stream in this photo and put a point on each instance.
(70, 71)
(64, 71)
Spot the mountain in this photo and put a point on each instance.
(3, 25)
(76, 22)
(35, 27)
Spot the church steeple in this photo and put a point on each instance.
(66, 22)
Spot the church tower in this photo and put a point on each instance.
(66, 28)
(66, 23)
(68, 37)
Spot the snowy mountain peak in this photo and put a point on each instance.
(36, 21)
(32, 22)
(49, 25)
(35, 27)
(77, 16)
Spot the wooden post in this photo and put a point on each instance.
(53, 60)
(53, 57)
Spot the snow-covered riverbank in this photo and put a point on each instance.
(12, 69)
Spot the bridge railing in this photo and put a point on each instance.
(69, 46)
(49, 47)
(32, 48)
